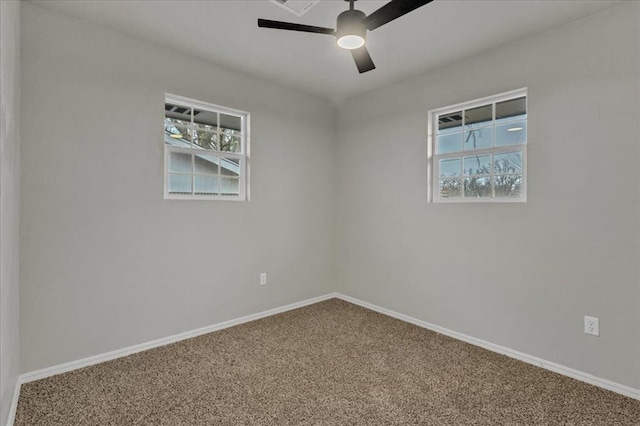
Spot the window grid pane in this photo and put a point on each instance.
(449, 188)
(478, 187)
(204, 150)
(179, 183)
(497, 127)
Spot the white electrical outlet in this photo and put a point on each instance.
(592, 325)
(263, 278)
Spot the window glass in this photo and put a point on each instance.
(478, 187)
(449, 142)
(179, 162)
(512, 133)
(204, 150)
(479, 150)
(478, 117)
(513, 108)
(477, 165)
(449, 188)
(509, 162)
(206, 185)
(449, 168)
(478, 138)
(449, 132)
(179, 183)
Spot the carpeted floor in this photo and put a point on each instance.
(332, 363)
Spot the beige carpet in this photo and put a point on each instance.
(332, 363)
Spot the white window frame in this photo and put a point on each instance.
(243, 155)
(433, 158)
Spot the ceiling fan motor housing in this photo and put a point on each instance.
(351, 22)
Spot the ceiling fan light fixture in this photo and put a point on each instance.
(352, 26)
(350, 41)
(351, 32)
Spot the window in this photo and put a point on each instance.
(478, 150)
(205, 150)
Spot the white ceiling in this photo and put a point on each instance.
(225, 32)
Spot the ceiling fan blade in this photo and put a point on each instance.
(392, 10)
(363, 59)
(278, 25)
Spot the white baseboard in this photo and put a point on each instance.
(548, 365)
(85, 362)
(14, 403)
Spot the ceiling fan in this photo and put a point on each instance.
(352, 25)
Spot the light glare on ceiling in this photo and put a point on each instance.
(514, 129)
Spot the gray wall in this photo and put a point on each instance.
(106, 261)
(518, 275)
(9, 202)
